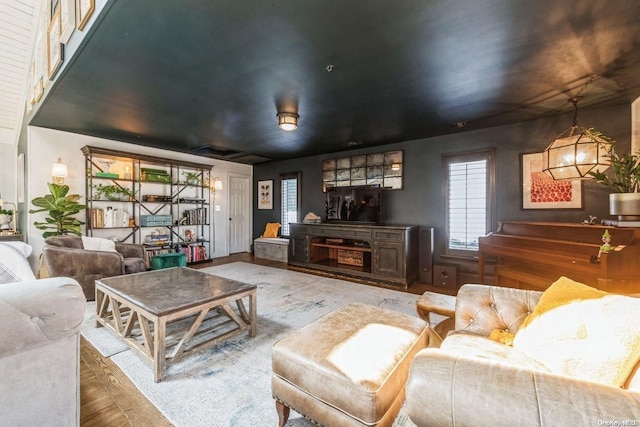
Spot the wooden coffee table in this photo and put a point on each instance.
(166, 315)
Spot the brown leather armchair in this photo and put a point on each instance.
(66, 256)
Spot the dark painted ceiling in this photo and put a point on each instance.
(208, 77)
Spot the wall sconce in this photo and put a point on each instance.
(288, 121)
(217, 185)
(59, 172)
(575, 152)
(395, 167)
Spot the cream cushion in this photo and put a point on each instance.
(98, 244)
(583, 332)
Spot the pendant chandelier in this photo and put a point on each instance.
(576, 152)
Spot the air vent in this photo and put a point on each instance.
(249, 159)
(213, 151)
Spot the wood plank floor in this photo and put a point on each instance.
(109, 398)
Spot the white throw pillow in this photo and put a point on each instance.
(98, 244)
(14, 266)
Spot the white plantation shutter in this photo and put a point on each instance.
(289, 203)
(469, 186)
(467, 204)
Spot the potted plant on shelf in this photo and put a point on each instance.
(112, 192)
(5, 218)
(61, 207)
(624, 178)
(192, 178)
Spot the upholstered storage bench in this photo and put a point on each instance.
(348, 368)
(275, 249)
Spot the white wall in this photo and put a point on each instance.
(8, 162)
(46, 145)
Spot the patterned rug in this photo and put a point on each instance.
(229, 384)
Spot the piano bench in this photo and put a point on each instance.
(444, 307)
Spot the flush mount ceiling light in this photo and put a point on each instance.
(576, 152)
(288, 121)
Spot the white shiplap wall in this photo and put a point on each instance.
(18, 19)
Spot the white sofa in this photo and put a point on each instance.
(39, 346)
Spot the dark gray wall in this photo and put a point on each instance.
(420, 202)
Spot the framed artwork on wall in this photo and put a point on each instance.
(54, 47)
(67, 19)
(265, 194)
(84, 10)
(540, 191)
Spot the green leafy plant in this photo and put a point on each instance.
(112, 192)
(5, 212)
(191, 177)
(624, 174)
(61, 207)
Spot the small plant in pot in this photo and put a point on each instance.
(5, 218)
(112, 192)
(192, 178)
(624, 178)
(61, 207)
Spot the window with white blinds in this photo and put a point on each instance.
(289, 204)
(469, 198)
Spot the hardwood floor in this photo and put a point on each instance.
(109, 398)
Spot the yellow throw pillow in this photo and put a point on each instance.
(271, 230)
(502, 336)
(583, 332)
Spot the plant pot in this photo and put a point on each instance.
(626, 206)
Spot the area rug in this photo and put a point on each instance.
(229, 384)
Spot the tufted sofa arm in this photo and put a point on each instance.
(481, 308)
(38, 312)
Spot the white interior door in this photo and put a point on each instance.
(239, 214)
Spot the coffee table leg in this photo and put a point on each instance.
(159, 349)
(254, 314)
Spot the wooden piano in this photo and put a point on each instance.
(532, 255)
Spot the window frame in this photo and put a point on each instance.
(490, 214)
(286, 176)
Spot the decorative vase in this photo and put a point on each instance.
(626, 206)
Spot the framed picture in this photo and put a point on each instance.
(54, 47)
(265, 194)
(67, 19)
(84, 10)
(189, 234)
(540, 191)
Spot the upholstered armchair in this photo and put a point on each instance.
(574, 361)
(67, 256)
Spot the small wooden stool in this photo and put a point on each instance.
(347, 368)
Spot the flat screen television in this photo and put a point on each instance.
(362, 204)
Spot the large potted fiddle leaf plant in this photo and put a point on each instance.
(61, 207)
(623, 177)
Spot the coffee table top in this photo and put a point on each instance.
(163, 291)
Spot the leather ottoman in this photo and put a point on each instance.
(348, 368)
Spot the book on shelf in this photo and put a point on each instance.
(108, 218)
(619, 223)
